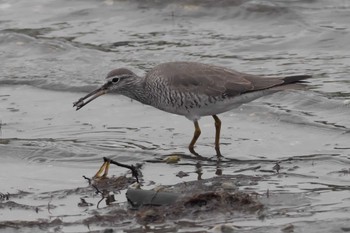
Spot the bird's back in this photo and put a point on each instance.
(188, 88)
(207, 79)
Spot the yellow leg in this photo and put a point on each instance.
(217, 134)
(103, 169)
(197, 132)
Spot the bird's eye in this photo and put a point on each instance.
(115, 80)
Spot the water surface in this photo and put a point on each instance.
(54, 53)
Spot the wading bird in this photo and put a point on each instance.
(192, 90)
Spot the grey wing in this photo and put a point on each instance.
(209, 80)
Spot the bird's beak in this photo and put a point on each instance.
(90, 97)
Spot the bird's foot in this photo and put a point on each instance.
(218, 153)
(193, 151)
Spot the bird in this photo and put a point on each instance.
(191, 89)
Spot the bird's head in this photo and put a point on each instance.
(117, 81)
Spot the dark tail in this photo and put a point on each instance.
(295, 78)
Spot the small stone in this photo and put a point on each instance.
(223, 228)
(182, 174)
(135, 185)
(172, 159)
(289, 228)
(229, 186)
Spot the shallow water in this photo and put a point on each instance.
(54, 53)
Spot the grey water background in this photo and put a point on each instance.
(53, 52)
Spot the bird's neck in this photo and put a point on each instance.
(137, 91)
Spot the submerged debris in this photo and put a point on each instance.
(84, 203)
(40, 223)
(184, 200)
(100, 181)
(182, 174)
(205, 199)
(139, 197)
(192, 205)
(4, 196)
(191, 200)
(103, 171)
(107, 186)
(277, 167)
